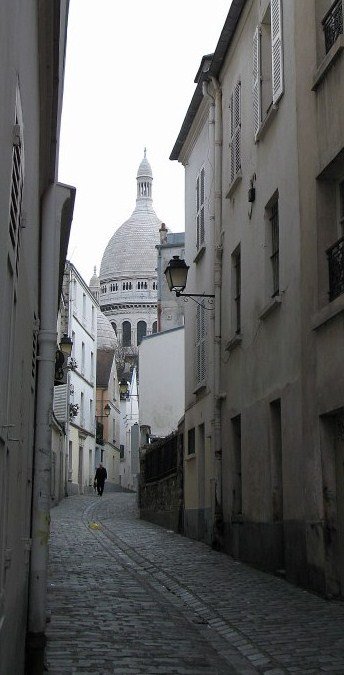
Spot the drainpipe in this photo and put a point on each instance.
(213, 92)
(57, 204)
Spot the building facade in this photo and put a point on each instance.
(80, 324)
(36, 213)
(263, 421)
(107, 450)
(170, 308)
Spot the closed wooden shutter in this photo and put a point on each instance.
(235, 130)
(277, 50)
(256, 82)
(60, 403)
(200, 345)
(202, 207)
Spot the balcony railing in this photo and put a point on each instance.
(335, 256)
(333, 24)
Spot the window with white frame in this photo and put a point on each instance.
(267, 80)
(200, 192)
(235, 132)
(200, 345)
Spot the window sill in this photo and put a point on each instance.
(270, 307)
(270, 115)
(233, 185)
(233, 343)
(328, 62)
(328, 312)
(200, 253)
(191, 456)
(199, 389)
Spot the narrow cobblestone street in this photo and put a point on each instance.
(129, 597)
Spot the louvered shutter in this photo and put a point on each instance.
(256, 82)
(276, 49)
(200, 345)
(235, 150)
(197, 213)
(202, 208)
(60, 403)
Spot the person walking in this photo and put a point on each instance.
(100, 478)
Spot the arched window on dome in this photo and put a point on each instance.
(114, 326)
(141, 331)
(155, 327)
(126, 334)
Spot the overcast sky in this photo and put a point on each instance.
(128, 83)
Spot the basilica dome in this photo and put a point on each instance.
(130, 253)
(128, 271)
(106, 336)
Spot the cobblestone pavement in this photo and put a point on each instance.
(128, 597)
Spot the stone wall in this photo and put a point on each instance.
(161, 489)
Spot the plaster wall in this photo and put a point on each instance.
(161, 363)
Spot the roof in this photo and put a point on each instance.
(104, 367)
(206, 71)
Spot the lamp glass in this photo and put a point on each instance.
(176, 274)
(123, 386)
(66, 344)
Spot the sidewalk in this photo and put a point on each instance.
(128, 597)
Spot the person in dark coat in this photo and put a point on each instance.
(99, 479)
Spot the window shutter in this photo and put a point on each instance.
(202, 208)
(276, 49)
(256, 82)
(235, 125)
(197, 212)
(200, 345)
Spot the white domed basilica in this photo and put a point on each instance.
(128, 278)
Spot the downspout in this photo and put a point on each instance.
(215, 122)
(57, 204)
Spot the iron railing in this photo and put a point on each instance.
(335, 256)
(161, 461)
(333, 24)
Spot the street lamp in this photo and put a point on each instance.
(123, 388)
(176, 274)
(61, 358)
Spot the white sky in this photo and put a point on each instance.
(128, 83)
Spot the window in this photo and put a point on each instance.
(83, 358)
(126, 334)
(237, 478)
(200, 209)
(235, 131)
(141, 331)
(155, 327)
(91, 415)
(114, 326)
(276, 460)
(333, 24)
(82, 409)
(92, 366)
(274, 246)
(17, 182)
(200, 345)
(191, 442)
(236, 286)
(267, 80)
